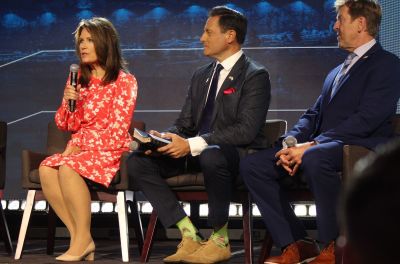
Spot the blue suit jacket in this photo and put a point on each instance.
(360, 112)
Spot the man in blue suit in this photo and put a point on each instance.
(356, 105)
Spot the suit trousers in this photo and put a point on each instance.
(219, 165)
(319, 168)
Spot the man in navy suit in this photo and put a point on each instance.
(223, 116)
(356, 105)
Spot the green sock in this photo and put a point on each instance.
(188, 229)
(220, 237)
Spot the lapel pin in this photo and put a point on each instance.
(207, 80)
(230, 78)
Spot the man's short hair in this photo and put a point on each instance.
(230, 19)
(370, 9)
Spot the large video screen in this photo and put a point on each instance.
(160, 40)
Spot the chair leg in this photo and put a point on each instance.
(123, 225)
(247, 230)
(51, 231)
(137, 223)
(266, 248)
(30, 198)
(148, 242)
(5, 232)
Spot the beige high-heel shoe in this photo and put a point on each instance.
(88, 254)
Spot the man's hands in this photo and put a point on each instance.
(178, 148)
(290, 158)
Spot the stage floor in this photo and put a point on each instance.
(109, 251)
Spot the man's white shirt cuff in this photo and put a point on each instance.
(197, 145)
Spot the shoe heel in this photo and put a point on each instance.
(90, 256)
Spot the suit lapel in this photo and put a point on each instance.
(228, 82)
(355, 67)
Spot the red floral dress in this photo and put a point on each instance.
(99, 127)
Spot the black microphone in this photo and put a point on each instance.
(74, 82)
(289, 141)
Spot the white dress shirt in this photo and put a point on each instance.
(360, 51)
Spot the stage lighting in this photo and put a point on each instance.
(23, 203)
(95, 207)
(107, 207)
(235, 210)
(300, 209)
(147, 208)
(40, 206)
(203, 210)
(186, 208)
(13, 205)
(256, 211)
(312, 210)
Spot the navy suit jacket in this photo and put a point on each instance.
(240, 107)
(360, 112)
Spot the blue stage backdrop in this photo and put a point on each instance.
(390, 33)
(160, 40)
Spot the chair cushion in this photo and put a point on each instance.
(34, 176)
(195, 179)
(195, 182)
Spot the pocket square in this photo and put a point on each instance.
(230, 90)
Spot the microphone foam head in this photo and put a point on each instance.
(133, 146)
(290, 141)
(74, 68)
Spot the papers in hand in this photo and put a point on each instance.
(148, 141)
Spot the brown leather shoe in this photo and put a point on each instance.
(327, 255)
(209, 253)
(186, 247)
(299, 252)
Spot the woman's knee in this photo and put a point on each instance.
(46, 174)
(64, 170)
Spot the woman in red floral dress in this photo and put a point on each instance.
(105, 100)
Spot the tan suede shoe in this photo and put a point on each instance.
(186, 247)
(209, 253)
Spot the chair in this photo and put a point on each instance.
(117, 191)
(190, 188)
(3, 222)
(351, 154)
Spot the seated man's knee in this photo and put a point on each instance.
(311, 158)
(211, 158)
(247, 166)
(137, 165)
(133, 162)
